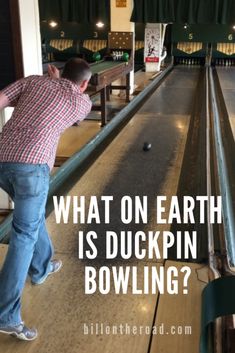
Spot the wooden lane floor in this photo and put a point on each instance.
(59, 308)
(178, 316)
(65, 322)
(62, 314)
(74, 138)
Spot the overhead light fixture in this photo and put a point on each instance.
(185, 26)
(100, 24)
(53, 24)
(234, 27)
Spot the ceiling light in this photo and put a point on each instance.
(100, 24)
(53, 24)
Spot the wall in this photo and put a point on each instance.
(74, 30)
(203, 33)
(120, 17)
(120, 22)
(30, 34)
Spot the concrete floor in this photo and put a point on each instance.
(59, 308)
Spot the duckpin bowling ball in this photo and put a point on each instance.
(125, 56)
(147, 146)
(96, 56)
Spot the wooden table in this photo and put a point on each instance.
(104, 73)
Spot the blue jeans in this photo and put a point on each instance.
(30, 249)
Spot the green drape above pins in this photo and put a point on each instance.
(155, 11)
(184, 11)
(82, 11)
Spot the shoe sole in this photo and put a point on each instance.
(50, 273)
(21, 336)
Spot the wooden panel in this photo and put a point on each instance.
(121, 3)
(120, 40)
(109, 75)
(75, 137)
(180, 311)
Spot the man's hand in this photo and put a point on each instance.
(53, 72)
(4, 101)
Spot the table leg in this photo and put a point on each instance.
(108, 93)
(128, 88)
(103, 106)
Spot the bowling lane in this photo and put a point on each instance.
(124, 169)
(227, 82)
(59, 309)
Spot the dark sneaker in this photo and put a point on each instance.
(55, 267)
(21, 332)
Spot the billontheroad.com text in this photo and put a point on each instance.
(126, 329)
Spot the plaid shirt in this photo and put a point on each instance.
(44, 108)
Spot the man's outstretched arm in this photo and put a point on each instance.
(16, 88)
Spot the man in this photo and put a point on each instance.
(44, 108)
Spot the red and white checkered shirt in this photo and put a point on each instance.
(44, 108)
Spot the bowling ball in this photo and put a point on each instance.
(147, 146)
(125, 56)
(96, 56)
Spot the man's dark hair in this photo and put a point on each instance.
(76, 70)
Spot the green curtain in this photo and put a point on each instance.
(82, 11)
(184, 11)
(150, 10)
